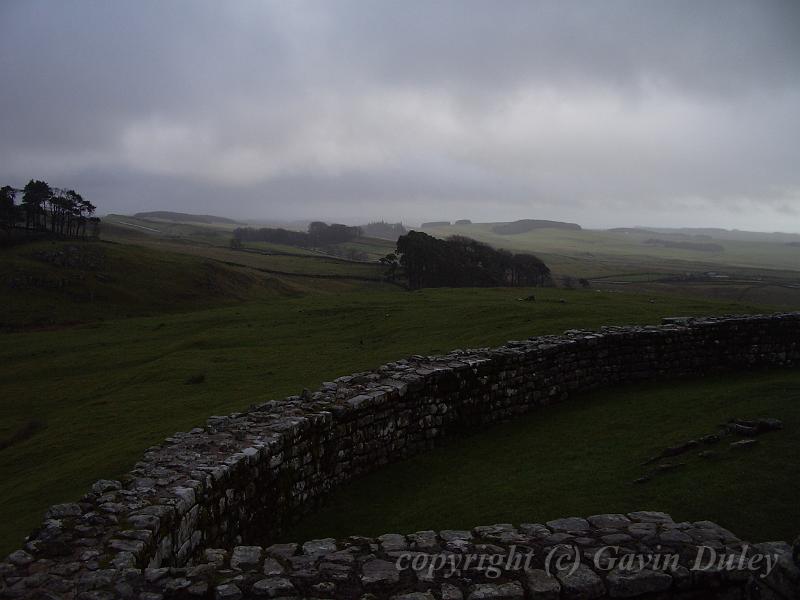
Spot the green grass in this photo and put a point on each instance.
(312, 265)
(581, 457)
(103, 392)
(117, 280)
(374, 248)
(279, 248)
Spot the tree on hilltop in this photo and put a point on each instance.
(61, 211)
(8, 207)
(34, 197)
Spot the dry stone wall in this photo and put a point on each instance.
(244, 477)
(570, 558)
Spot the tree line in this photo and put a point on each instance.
(459, 261)
(384, 230)
(47, 209)
(318, 234)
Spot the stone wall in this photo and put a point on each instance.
(570, 558)
(243, 477)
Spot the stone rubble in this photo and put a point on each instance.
(736, 427)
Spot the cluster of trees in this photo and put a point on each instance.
(384, 230)
(269, 234)
(318, 234)
(348, 253)
(49, 209)
(322, 234)
(458, 261)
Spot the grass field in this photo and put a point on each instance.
(271, 248)
(590, 243)
(581, 457)
(82, 403)
(374, 248)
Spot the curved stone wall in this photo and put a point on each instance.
(570, 558)
(245, 476)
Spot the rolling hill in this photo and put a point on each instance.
(692, 262)
(53, 283)
(165, 215)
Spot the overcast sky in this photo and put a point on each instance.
(600, 112)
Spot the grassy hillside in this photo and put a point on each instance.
(758, 271)
(374, 248)
(58, 282)
(82, 403)
(166, 215)
(124, 228)
(196, 231)
(213, 242)
(273, 248)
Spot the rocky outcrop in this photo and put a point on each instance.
(243, 477)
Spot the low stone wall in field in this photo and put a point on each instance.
(243, 478)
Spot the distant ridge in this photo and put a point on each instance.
(185, 217)
(631, 230)
(435, 224)
(383, 230)
(525, 225)
(729, 234)
(697, 246)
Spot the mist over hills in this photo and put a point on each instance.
(386, 230)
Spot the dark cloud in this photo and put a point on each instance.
(605, 112)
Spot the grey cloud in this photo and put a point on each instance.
(723, 47)
(602, 112)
